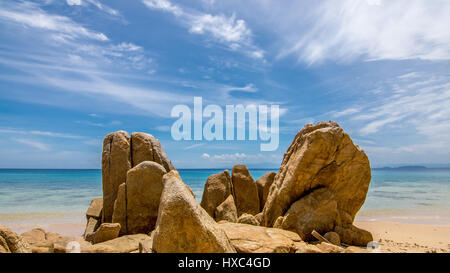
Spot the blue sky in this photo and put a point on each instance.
(73, 71)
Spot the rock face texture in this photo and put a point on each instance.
(116, 161)
(252, 239)
(263, 184)
(217, 188)
(183, 225)
(245, 191)
(322, 183)
(143, 192)
(226, 211)
(146, 147)
(10, 242)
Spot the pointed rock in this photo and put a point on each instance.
(245, 191)
(183, 225)
(226, 211)
(263, 184)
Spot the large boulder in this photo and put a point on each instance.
(322, 167)
(11, 242)
(316, 211)
(263, 184)
(226, 211)
(245, 191)
(116, 161)
(183, 225)
(143, 193)
(217, 188)
(146, 147)
(254, 239)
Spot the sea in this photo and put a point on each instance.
(31, 197)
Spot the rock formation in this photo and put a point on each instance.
(263, 184)
(322, 183)
(245, 191)
(131, 190)
(217, 188)
(183, 225)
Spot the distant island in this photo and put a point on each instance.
(401, 168)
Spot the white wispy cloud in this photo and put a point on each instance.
(372, 30)
(94, 3)
(33, 143)
(17, 131)
(31, 15)
(226, 30)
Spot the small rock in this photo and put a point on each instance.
(333, 237)
(248, 219)
(106, 232)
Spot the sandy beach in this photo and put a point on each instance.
(409, 238)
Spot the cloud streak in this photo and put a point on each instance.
(373, 30)
(226, 30)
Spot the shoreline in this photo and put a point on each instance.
(393, 237)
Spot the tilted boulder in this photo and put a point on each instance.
(143, 193)
(91, 226)
(146, 147)
(106, 232)
(226, 211)
(217, 188)
(116, 161)
(94, 218)
(183, 225)
(245, 191)
(95, 209)
(322, 166)
(11, 242)
(263, 184)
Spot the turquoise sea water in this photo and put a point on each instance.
(62, 196)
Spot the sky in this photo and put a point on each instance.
(72, 71)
